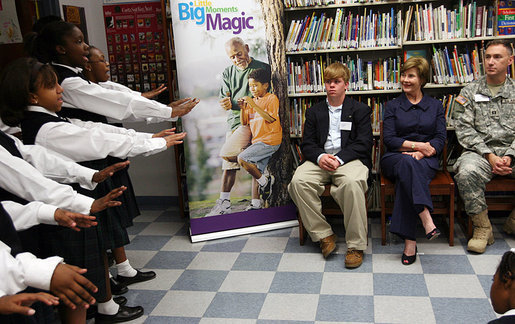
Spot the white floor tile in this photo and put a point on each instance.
(184, 303)
(302, 262)
(213, 261)
(454, 286)
(344, 283)
(266, 244)
(289, 307)
(248, 281)
(397, 309)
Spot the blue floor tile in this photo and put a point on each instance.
(236, 305)
(393, 284)
(148, 242)
(257, 261)
(171, 260)
(345, 308)
(148, 299)
(200, 280)
(449, 264)
(297, 283)
(462, 310)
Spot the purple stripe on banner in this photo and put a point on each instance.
(243, 219)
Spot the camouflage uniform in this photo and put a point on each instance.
(484, 124)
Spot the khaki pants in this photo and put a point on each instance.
(235, 143)
(349, 184)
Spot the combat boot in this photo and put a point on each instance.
(509, 226)
(483, 233)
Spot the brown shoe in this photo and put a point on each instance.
(328, 245)
(353, 258)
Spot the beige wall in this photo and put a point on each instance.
(151, 176)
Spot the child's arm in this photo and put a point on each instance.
(266, 116)
(244, 117)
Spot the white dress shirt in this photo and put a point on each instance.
(31, 214)
(333, 143)
(24, 270)
(24, 180)
(78, 93)
(85, 141)
(56, 166)
(120, 87)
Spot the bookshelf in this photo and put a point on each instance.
(373, 38)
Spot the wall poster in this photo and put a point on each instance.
(135, 44)
(9, 26)
(217, 45)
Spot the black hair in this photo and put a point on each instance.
(260, 75)
(43, 21)
(42, 45)
(91, 47)
(17, 81)
(506, 268)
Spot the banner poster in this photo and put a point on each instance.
(218, 43)
(135, 45)
(9, 26)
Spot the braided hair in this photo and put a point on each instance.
(506, 268)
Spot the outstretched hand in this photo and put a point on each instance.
(107, 201)
(164, 132)
(73, 220)
(174, 139)
(20, 303)
(103, 174)
(155, 92)
(71, 287)
(183, 106)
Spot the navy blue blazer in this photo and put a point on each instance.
(355, 144)
(423, 122)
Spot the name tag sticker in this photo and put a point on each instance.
(480, 98)
(346, 126)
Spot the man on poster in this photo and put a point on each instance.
(235, 85)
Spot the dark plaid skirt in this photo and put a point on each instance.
(128, 198)
(81, 249)
(111, 232)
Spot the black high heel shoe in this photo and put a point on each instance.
(407, 260)
(433, 234)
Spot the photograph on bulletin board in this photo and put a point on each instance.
(221, 57)
(135, 44)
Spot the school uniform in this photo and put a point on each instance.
(506, 318)
(96, 141)
(79, 93)
(21, 269)
(21, 182)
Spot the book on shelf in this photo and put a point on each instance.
(456, 66)
(423, 22)
(344, 31)
(414, 53)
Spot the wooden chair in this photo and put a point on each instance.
(495, 203)
(442, 184)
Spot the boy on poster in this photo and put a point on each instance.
(262, 114)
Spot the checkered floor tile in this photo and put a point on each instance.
(269, 278)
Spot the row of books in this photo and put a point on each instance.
(344, 30)
(308, 76)
(423, 22)
(448, 102)
(453, 66)
(506, 18)
(310, 3)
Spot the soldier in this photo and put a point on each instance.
(485, 128)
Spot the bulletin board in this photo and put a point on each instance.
(135, 45)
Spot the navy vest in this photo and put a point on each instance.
(8, 234)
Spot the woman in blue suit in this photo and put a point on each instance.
(414, 135)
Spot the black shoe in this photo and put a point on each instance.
(139, 277)
(407, 260)
(433, 234)
(93, 309)
(124, 314)
(118, 288)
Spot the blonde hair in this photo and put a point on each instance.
(421, 65)
(336, 70)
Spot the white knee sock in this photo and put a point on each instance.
(262, 181)
(109, 307)
(225, 195)
(125, 269)
(256, 202)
